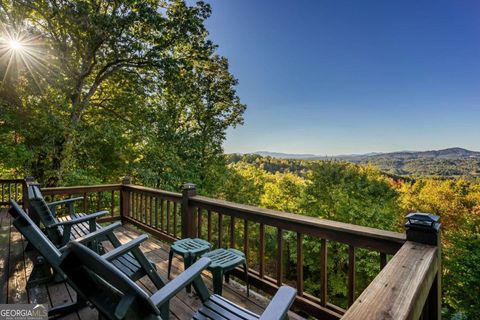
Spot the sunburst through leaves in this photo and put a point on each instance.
(21, 51)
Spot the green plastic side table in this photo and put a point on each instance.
(223, 261)
(190, 250)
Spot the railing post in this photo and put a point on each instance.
(124, 198)
(426, 228)
(188, 219)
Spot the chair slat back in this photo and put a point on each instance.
(39, 205)
(113, 293)
(34, 235)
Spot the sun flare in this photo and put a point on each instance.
(15, 44)
(20, 50)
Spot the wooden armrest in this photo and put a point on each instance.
(65, 201)
(70, 202)
(192, 273)
(81, 219)
(99, 233)
(127, 247)
(278, 307)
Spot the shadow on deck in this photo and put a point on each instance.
(15, 268)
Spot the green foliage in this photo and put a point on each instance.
(245, 184)
(361, 195)
(283, 192)
(332, 190)
(351, 193)
(124, 87)
(461, 265)
(457, 202)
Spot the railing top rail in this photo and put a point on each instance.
(360, 236)
(400, 290)
(81, 189)
(153, 191)
(12, 180)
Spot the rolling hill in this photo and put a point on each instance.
(451, 162)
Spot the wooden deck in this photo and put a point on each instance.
(15, 269)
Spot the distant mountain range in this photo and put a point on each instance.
(450, 153)
(449, 162)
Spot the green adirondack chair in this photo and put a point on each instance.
(60, 232)
(55, 257)
(128, 258)
(117, 297)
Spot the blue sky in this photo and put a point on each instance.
(336, 77)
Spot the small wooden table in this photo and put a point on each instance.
(223, 261)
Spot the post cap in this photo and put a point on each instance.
(423, 221)
(126, 180)
(189, 186)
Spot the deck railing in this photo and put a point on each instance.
(98, 197)
(407, 287)
(12, 189)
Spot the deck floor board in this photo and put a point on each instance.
(183, 306)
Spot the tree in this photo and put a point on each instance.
(192, 112)
(89, 46)
(351, 193)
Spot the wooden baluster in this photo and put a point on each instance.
(232, 232)
(143, 206)
(132, 204)
(85, 202)
(199, 222)
(151, 211)
(162, 215)
(299, 264)
(209, 226)
(323, 272)
(140, 205)
(156, 212)
(174, 219)
(351, 275)
(145, 209)
(112, 204)
(261, 251)
(245, 239)
(129, 203)
(383, 260)
(16, 191)
(279, 257)
(220, 230)
(99, 199)
(167, 215)
(125, 203)
(137, 207)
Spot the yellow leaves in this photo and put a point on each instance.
(453, 200)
